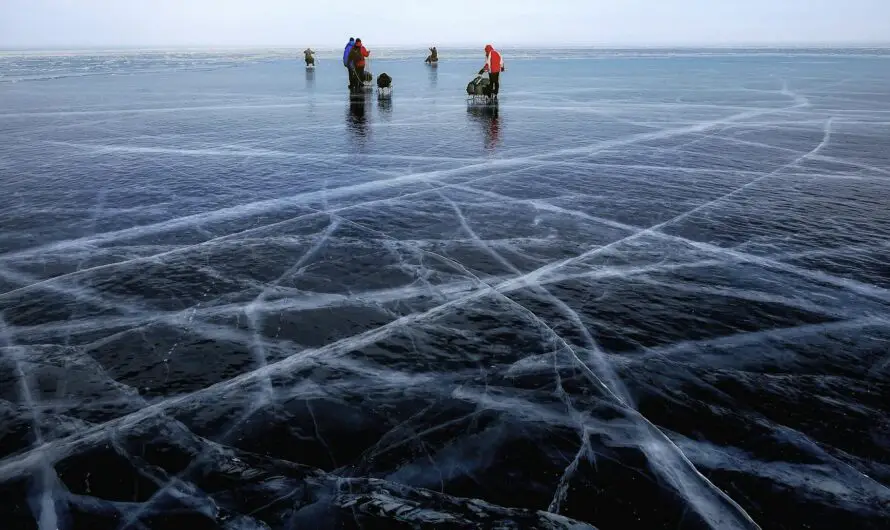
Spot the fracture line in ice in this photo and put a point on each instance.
(799, 99)
(517, 408)
(81, 294)
(739, 141)
(812, 156)
(857, 287)
(655, 230)
(59, 448)
(440, 308)
(543, 205)
(217, 335)
(839, 176)
(852, 285)
(604, 368)
(46, 480)
(54, 114)
(840, 485)
(304, 303)
(204, 329)
(318, 435)
(852, 163)
(713, 345)
(733, 255)
(379, 448)
(705, 498)
(621, 395)
(87, 295)
(597, 165)
(604, 371)
(254, 317)
(328, 352)
(175, 482)
(796, 302)
(349, 190)
(373, 298)
(239, 236)
(562, 490)
(666, 459)
(841, 466)
(584, 450)
(708, 508)
(50, 477)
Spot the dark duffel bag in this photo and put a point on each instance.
(479, 86)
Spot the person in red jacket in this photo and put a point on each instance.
(357, 59)
(494, 65)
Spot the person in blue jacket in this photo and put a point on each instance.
(346, 62)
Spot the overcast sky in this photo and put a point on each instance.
(326, 23)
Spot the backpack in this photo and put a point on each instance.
(384, 81)
(479, 86)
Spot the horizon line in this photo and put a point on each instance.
(505, 45)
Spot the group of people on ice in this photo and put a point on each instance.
(355, 53)
(354, 60)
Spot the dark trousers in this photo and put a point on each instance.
(494, 79)
(360, 76)
(351, 74)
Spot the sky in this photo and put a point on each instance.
(59, 24)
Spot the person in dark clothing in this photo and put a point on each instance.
(346, 62)
(433, 56)
(357, 60)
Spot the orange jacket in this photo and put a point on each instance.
(357, 56)
(493, 62)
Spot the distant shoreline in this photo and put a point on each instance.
(580, 48)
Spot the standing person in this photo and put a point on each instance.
(494, 65)
(308, 55)
(346, 63)
(357, 59)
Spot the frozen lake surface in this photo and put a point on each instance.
(650, 290)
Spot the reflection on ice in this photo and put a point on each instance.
(357, 120)
(486, 116)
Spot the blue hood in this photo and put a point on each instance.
(346, 53)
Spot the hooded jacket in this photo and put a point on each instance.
(346, 52)
(494, 63)
(357, 55)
